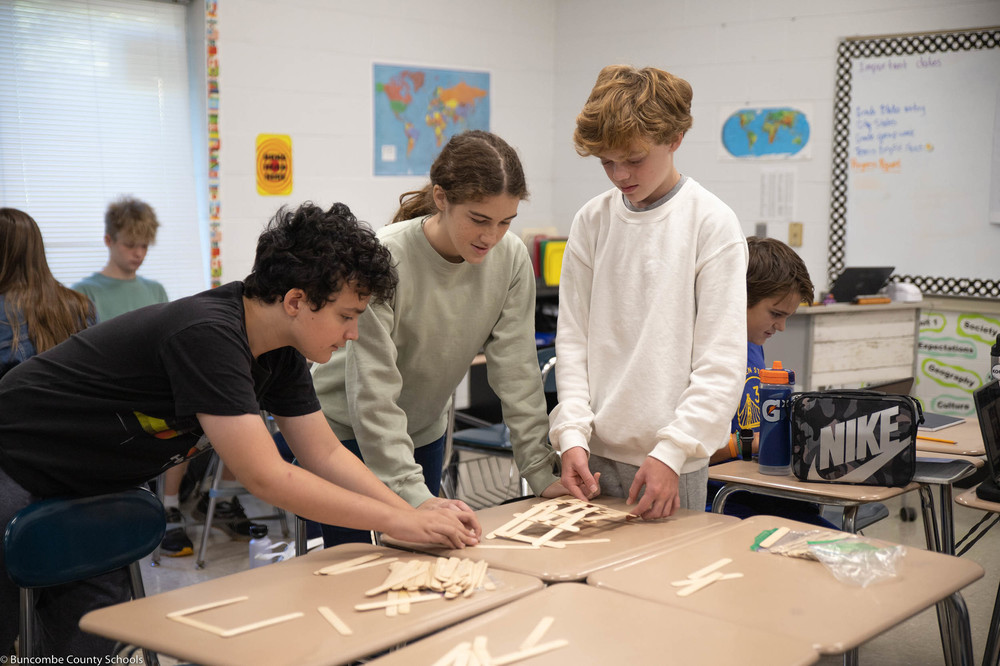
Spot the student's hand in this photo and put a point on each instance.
(442, 526)
(468, 516)
(576, 476)
(661, 498)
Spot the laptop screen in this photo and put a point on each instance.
(859, 281)
(892, 387)
(987, 399)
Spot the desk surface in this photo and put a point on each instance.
(574, 562)
(832, 616)
(592, 619)
(287, 587)
(967, 436)
(747, 473)
(969, 499)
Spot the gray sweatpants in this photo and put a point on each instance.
(57, 609)
(617, 478)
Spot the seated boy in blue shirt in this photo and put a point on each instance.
(777, 282)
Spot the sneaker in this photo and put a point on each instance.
(175, 541)
(231, 515)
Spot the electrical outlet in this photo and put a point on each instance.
(795, 234)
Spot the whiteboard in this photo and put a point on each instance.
(916, 181)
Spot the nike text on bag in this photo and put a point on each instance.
(862, 437)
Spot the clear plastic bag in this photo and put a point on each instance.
(851, 559)
(860, 561)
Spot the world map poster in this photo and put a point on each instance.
(416, 111)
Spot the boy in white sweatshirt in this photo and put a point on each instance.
(651, 337)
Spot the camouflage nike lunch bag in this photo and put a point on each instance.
(862, 437)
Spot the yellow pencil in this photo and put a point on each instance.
(934, 439)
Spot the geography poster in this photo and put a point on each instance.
(416, 111)
(766, 133)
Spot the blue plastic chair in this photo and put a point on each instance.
(63, 540)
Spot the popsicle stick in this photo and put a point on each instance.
(404, 606)
(578, 542)
(335, 620)
(383, 604)
(451, 656)
(198, 609)
(537, 633)
(530, 652)
(204, 626)
(394, 602)
(504, 546)
(260, 625)
(710, 568)
(687, 581)
(358, 567)
(775, 536)
(480, 651)
(341, 566)
(699, 583)
(517, 520)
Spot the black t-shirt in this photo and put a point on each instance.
(115, 404)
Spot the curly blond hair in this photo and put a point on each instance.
(627, 105)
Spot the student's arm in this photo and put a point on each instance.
(571, 422)
(513, 373)
(316, 493)
(373, 384)
(705, 409)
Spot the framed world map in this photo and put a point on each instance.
(417, 109)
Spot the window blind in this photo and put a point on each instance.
(95, 104)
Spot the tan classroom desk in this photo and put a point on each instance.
(966, 435)
(992, 653)
(573, 563)
(744, 475)
(797, 597)
(287, 587)
(605, 627)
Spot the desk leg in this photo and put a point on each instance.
(719, 503)
(961, 633)
(947, 520)
(992, 653)
(933, 539)
(930, 519)
(847, 522)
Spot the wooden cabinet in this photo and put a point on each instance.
(845, 346)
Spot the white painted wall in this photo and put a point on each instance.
(750, 53)
(303, 68)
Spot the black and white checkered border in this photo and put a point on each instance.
(988, 38)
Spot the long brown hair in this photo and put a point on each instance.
(472, 166)
(51, 311)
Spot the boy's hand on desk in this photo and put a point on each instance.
(466, 514)
(576, 476)
(442, 526)
(660, 499)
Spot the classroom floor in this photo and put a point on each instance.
(916, 642)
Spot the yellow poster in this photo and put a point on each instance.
(274, 164)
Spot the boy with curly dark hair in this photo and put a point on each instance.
(117, 404)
